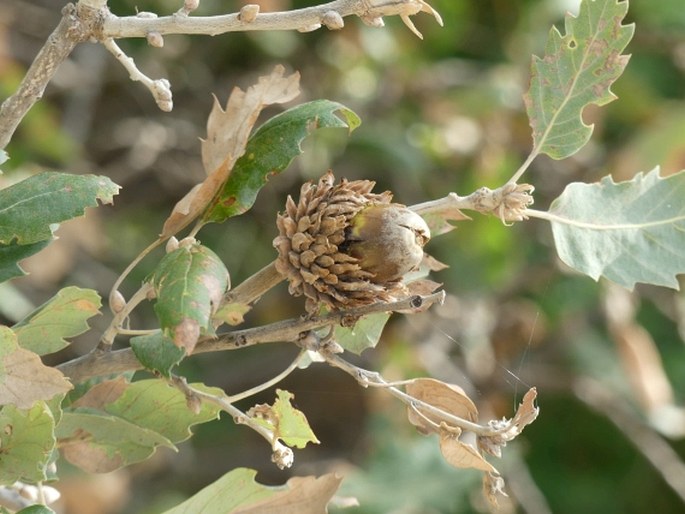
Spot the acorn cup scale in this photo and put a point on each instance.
(343, 246)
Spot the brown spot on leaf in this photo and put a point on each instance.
(186, 335)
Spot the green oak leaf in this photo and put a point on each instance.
(157, 352)
(13, 253)
(45, 330)
(36, 509)
(189, 283)
(628, 232)
(271, 149)
(157, 406)
(293, 428)
(365, 333)
(26, 443)
(28, 208)
(237, 492)
(151, 411)
(287, 423)
(99, 443)
(577, 70)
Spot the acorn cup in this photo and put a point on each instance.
(343, 246)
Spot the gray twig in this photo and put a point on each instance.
(100, 362)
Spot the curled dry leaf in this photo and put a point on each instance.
(460, 454)
(431, 263)
(447, 397)
(509, 429)
(227, 133)
(439, 213)
(493, 486)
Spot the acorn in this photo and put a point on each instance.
(388, 240)
(343, 246)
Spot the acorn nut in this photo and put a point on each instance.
(343, 246)
(388, 240)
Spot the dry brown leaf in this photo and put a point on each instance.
(460, 454)
(229, 129)
(186, 334)
(448, 397)
(431, 263)
(423, 287)
(304, 495)
(90, 458)
(439, 220)
(509, 429)
(102, 394)
(227, 134)
(493, 486)
(526, 413)
(24, 379)
(643, 366)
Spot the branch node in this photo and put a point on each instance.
(160, 88)
(508, 203)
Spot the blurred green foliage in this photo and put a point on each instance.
(439, 115)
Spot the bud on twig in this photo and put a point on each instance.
(155, 39)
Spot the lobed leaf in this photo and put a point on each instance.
(99, 443)
(227, 134)
(462, 455)
(448, 397)
(46, 329)
(271, 149)
(157, 406)
(149, 413)
(228, 129)
(26, 443)
(151, 404)
(293, 428)
(189, 283)
(287, 423)
(238, 493)
(28, 208)
(627, 232)
(13, 253)
(24, 379)
(577, 70)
